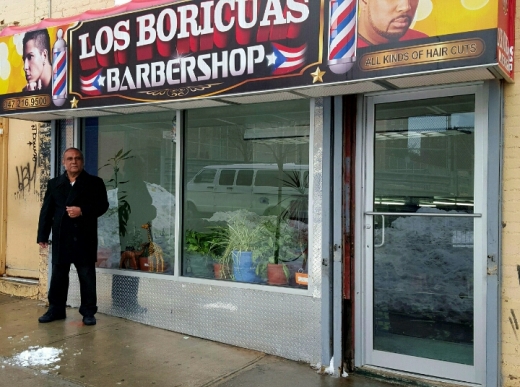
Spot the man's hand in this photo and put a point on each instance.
(43, 245)
(73, 211)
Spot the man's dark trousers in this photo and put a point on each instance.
(60, 286)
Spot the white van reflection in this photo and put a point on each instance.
(260, 188)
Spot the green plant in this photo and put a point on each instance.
(203, 243)
(277, 245)
(241, 233)
(299, 200)
(123, 207)
(135, 241)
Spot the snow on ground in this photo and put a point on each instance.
(36, 357)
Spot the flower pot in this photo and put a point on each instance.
(130, 259)
(221, 271)
(276, 274)
(198, 266)
(243, 268)
(143, 264)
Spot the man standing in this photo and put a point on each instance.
(72, 204)
(37, 61)
(385, 21)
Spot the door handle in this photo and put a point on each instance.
(382, 232)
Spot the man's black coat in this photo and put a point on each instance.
(73, 240)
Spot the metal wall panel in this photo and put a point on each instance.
(285, 324)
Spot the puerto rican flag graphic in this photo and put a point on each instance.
(92, 84)
(286, 60)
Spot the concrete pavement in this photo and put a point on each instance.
(118, 352)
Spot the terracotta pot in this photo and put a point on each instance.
(222, 271)
(276, 275)
(130, 259)
(143, 264)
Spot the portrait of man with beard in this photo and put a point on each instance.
(386, 21)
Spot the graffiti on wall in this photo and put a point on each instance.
(26, 171)
(514, 323)
(44, 157)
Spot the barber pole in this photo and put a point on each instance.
(59, 70)
(342, 35)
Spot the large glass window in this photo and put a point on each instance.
(135, 156)
(246, 193)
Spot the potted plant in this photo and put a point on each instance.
(133, 253)
(200, 250)
(277, 246)
(222, 263)
(238, 239)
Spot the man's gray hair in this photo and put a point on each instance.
(72, 149)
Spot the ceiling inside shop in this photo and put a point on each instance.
(366, 86)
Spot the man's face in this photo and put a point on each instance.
(73, 162)
(33, 61)
(388, 20)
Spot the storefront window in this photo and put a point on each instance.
(135, 156)
(246, 172)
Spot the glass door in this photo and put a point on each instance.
(423, 262)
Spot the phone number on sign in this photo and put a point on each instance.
(29, 102)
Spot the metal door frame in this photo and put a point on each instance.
(365, 356)
(4, 141)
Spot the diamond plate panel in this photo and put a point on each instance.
(317, 199)
(285, 325)
(282, 324)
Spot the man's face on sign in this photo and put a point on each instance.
(388, 20)
(34, 61)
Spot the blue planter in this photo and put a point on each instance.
(243, 267)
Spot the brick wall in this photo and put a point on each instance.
(511, 230)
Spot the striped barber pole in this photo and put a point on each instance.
(59, 70)
(342, 35)
(59, 85)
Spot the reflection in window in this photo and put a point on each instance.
(205, 176)
(251, 224)
(424, 152)
(135, 156)
(245, 178)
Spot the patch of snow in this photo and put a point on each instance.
(36, 357)
(221, 305)
(330, 369)
(425, 268)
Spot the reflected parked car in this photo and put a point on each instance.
(260, 188)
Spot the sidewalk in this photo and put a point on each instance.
(118, 352)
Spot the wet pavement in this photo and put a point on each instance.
(118, 352)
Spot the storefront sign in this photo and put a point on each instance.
(201, 48)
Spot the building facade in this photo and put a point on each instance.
(374, 171)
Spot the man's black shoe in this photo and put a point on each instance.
(51, 316)
(89, 320)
